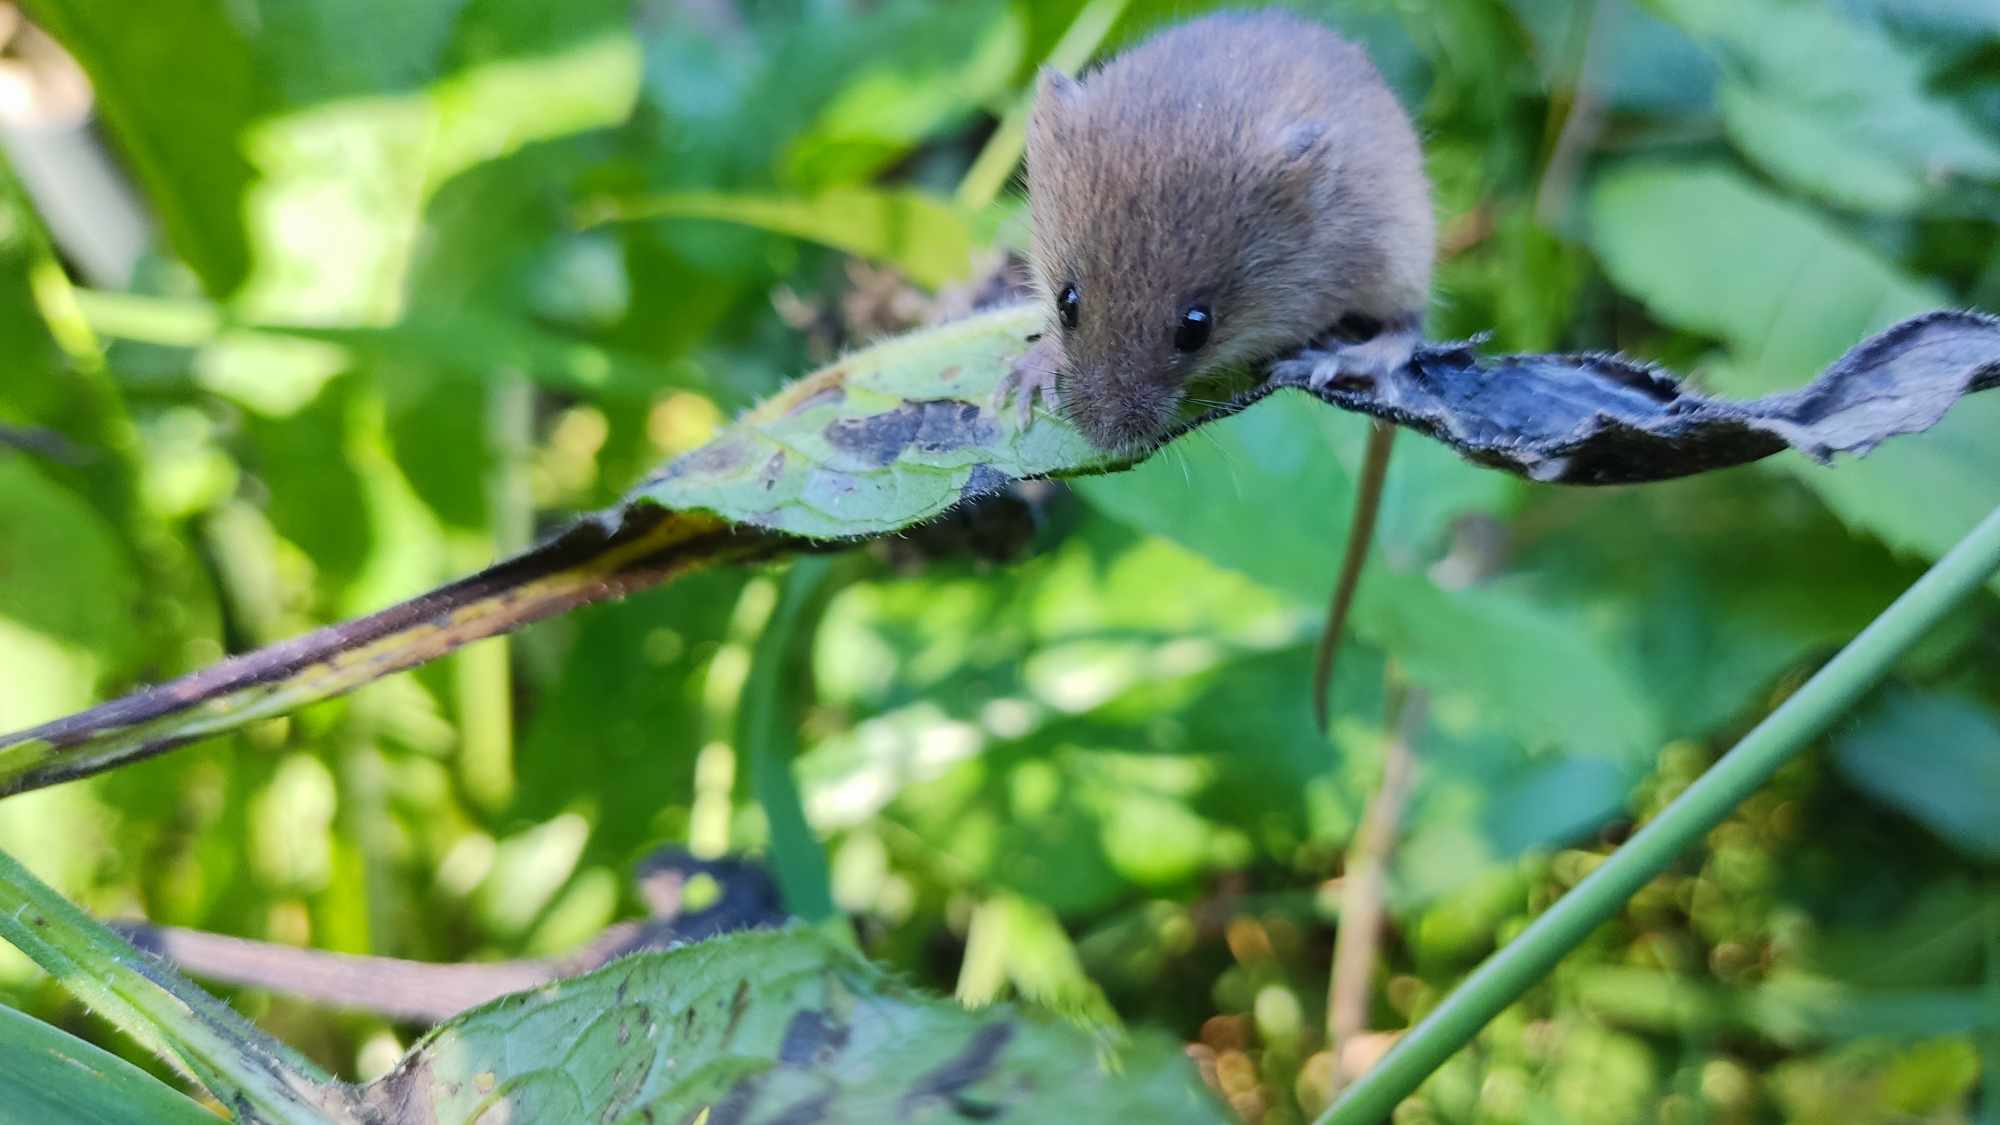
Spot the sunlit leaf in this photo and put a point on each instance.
(768, 1027)
(885, 438)
(925, 237)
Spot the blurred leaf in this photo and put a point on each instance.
(63, 571)
(769, 1027)
(314, 142)
(316, 497)
(1012, 940)
(795, 96)
(617, 731)
(926, 238)
(1834, 105)
(1791, 1010)
(187, 149)
(1262, 492)
(1710, 252)
(1809, 147)
(1959, 21)
(1868, 1083)
(913, 86)
(1932, 935)
(52, 1076)
(1642, 64)
(1936, 758)
(1699, 582)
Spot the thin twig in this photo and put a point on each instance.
(1364, 884)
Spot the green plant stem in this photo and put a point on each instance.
(990, 170)
(240, 1065)
(767, 718)
(1782, 735)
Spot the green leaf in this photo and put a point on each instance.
(885, 438)
(51, 1076)
(1808, 148)
(1834, 105)
(926, 238)
(1935, 757)
(295, 175)
(631, 678)
(770, 1027)
(1263, 493)
(1792, 1010)
(187, 148)
(63, 571)
(1639, 63)
(757, 1025)
(1711, 252)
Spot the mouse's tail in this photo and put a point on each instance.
(1360, 535)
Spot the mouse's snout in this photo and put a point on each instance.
(1119, 410)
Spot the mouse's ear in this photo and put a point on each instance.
(1300, 139)
(1054, 88)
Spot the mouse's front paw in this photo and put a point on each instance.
(1032, 376)
(1368, 360)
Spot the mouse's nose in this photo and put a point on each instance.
(1123, 413)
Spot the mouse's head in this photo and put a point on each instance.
(1162, 248)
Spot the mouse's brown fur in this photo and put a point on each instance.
(1253, 163)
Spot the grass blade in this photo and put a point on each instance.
(244, 1068)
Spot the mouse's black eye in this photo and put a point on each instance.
(1194, 328)
(1067, 305)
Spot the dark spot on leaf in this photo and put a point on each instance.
(773, 469)
(949, 373)
(932, 426)
(718, 456)
(949, 1079)
(625, 1081)
(984, 480)
(738, 1004)
(734, 1108)
(811, 1039)
(828, 395)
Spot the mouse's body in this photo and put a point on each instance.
(1231, 190)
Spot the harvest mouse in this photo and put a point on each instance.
(1237, 188)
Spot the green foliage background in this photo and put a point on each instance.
(429, 276)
